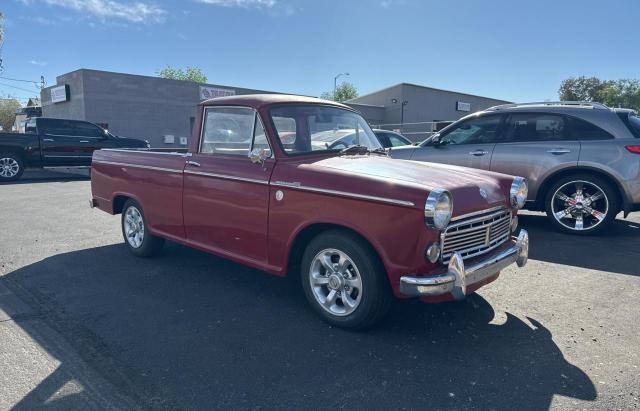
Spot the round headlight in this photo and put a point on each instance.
(438, 209)
(519, 192)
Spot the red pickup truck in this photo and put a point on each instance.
(259, 187)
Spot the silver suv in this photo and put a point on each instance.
(581, 160)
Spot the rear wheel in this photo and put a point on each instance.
(344, 280)
(11, 167)
(582, 204)
(136, 234)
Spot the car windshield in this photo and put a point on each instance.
(313, 128)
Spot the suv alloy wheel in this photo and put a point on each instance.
(581, 204)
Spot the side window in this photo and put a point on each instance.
(287, 131)
(260, 136)
(480, 130)
(30, 127)
(394, 141)
(55, 127)
(384, 139)
(227, 130)
(81, 129)
(583, 130)
(537, 127)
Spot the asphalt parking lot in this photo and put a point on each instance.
(85, 325)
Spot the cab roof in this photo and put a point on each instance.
(260, 100)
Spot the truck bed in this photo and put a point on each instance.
(146, 175)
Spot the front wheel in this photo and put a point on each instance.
(582, 204)
(344, 280)
(136, 232)
(11, 167)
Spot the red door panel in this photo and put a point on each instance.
(226, 204)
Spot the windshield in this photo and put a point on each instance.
(312, 128)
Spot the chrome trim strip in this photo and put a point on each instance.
(145, 151)
(488, 210)
(476, 219)
(113, 163)
(65, 167)
(227, 177)
(84, 156)
(344, 194)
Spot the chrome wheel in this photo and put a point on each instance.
(335, 282)
(134, 227)
(9, 167)
(579, 205)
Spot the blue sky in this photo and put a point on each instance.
(507, 49)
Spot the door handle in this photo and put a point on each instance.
(558, 151)
(47, 139)
(479, 153)
(84, 141)
(192, 163)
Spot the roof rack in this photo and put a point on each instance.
(586, 104)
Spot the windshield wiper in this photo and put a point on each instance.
(360, 149)
(354, 150)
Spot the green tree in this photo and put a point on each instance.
(345, 91)
(614, 93)
(581, 89)
(189, 74)
(623, 93)
(8, 107)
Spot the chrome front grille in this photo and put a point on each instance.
(476, 233)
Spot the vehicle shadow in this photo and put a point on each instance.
(593, 252)
(32, 176)
(189, 330)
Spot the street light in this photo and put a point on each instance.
(404, 103)
(335, 83)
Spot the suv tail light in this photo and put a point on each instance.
(633, 149)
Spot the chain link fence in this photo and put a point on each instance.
(414, 131)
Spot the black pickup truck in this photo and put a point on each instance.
(52, 142)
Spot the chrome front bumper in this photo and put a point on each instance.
(459, 277)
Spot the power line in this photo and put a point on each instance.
(18, 88)
(17, 79)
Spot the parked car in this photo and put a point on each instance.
(52, 142)
(391, 138)
(581, 160)
(357, 226)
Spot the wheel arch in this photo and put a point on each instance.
(551, 179)
(305, 234)
(119, 199)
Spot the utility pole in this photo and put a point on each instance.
(404, 103)
(42, 82)
(335, 83)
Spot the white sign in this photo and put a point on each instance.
(213, 92)
(461, 106)
(60, 94)
(169, 139)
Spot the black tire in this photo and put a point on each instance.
(607, 206)
(8, 163)
(375, 294)
(150, 245)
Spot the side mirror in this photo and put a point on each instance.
(259, 155)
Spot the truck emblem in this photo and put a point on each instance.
(483, 193)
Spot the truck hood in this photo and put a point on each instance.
(471, 189)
